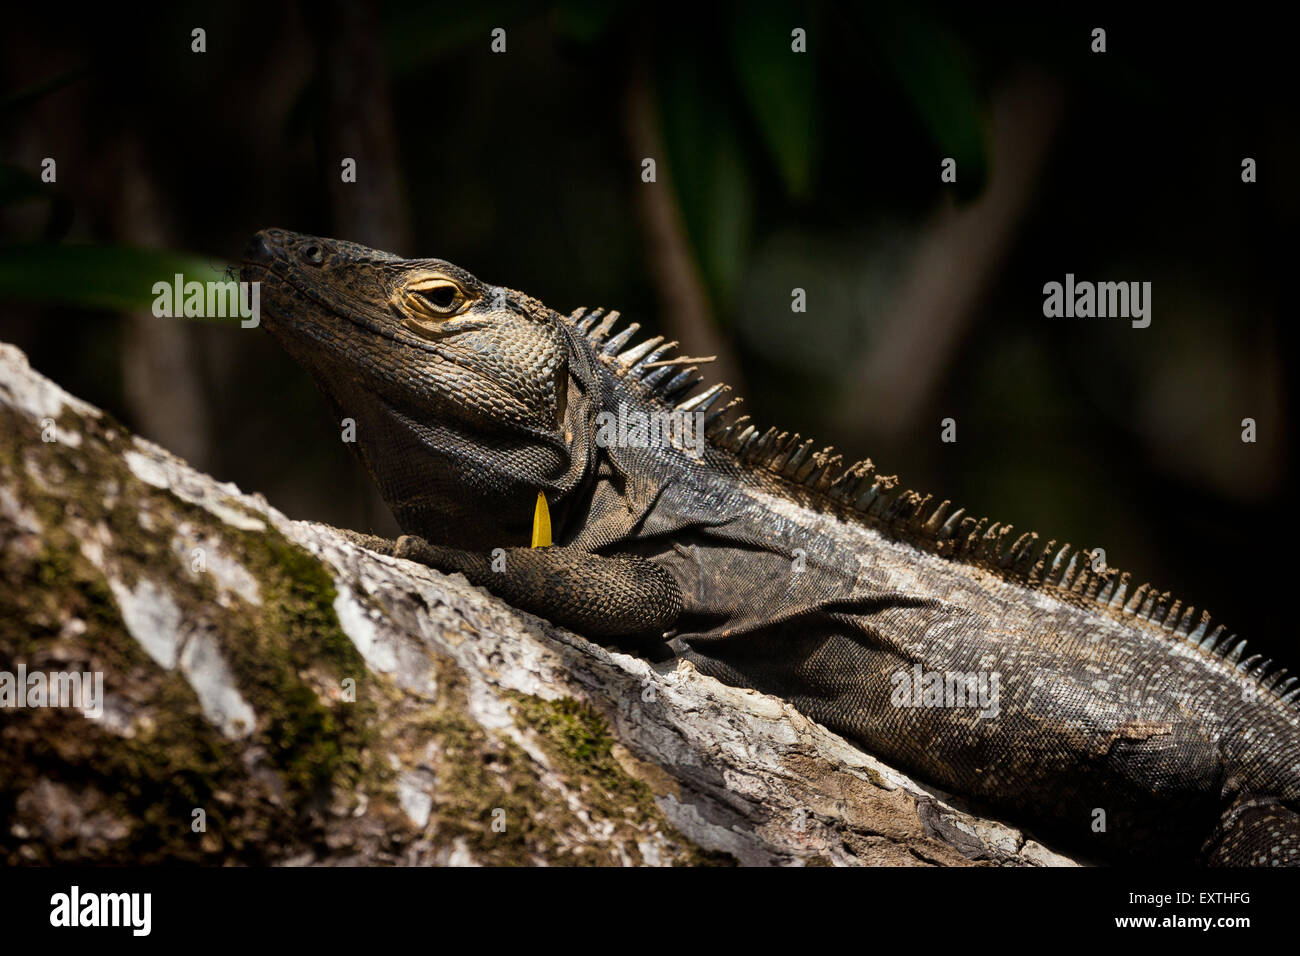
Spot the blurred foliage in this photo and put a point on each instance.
(933, 69)
(714, 108)
(94, 276)
(97, 276)
(779, 87)
(710, 167)
(754, 108)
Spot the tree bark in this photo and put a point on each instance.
(273, 693)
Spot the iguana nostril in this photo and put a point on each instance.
(259, 249)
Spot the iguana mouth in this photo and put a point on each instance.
(442, 330)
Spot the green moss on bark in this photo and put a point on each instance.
(577, 739)
(288, 656)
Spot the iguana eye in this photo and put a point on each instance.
(440, 298)
(436, 299)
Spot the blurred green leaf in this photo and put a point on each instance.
(417, 34)
(779, 86)
(932, 67)
(584, 21)
(708, 167)
(93, 276)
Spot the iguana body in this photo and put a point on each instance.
(1122, 722)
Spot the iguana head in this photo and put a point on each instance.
(460, 390)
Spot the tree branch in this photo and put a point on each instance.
(274, 693)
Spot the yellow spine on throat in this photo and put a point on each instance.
(541, 523)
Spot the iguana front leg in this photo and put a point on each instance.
(617, 597)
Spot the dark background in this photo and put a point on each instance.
(776, 170)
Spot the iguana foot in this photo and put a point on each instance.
(620, 596)
(371, 542)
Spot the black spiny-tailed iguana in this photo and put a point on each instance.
(770, 565)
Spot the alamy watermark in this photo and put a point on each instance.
(85, 691)
(209, 300)
(133, 911)
(917, 687)
(633, 428)
(1100, 300)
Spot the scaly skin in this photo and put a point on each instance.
(1114, 720)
